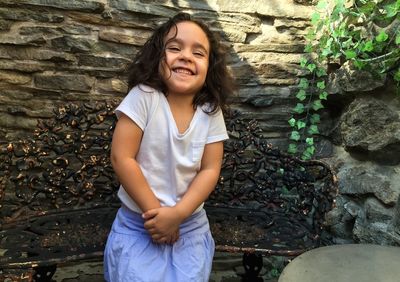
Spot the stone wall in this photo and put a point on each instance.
(365, 131)
(54, 51)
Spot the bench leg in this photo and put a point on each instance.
(44, 273)
(252, 263)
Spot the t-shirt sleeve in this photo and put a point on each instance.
(136, 105)
(217, 130)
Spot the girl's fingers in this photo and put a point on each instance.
(173, 239)
(152, 231)
(156, 237)
(164, 239)
(149, 214)
(149, 224)
(160, 240)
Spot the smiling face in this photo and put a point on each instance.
(184, 68)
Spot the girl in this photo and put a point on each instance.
(167, 151)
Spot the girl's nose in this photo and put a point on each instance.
(186, 55)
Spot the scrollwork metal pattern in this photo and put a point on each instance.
(266, 200)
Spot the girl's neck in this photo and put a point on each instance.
(182, 110)
(183, 101)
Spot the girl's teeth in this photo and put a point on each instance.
(183, 71)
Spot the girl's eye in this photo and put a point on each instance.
(199, 54)
(173, 48)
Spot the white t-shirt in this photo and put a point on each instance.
(169, 160)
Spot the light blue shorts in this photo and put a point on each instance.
(131, 256)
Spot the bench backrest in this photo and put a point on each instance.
(266, 198)
(65, 166)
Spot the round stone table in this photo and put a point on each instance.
(345, 263)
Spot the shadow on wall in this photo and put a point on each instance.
(266, 42)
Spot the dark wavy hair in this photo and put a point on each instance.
(218, 84)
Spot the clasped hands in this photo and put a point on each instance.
(163, 224)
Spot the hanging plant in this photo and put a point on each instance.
(364, 33)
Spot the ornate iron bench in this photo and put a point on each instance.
(58, 195)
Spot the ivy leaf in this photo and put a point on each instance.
(292, 122)
(301, 95)
(292, 149)
(311, 150)
(323, 95)
(335, 33)
(391, 10)
(317, 105)
(299, 108)
(284, 191)
(303, 83)
(348, 43)
(397, 75)
(326, 52)
(329, 42)
(313, 129)
(311, 67)
(322, 5)
(367, 7)
(303, 62)
(320, 72)
(344, 34)
(355, 14)
(315, 18)
(308, 48)
(315, 118)
(300, 124)
(321, 84)
(337, 11)
(295, 135)
(306, 156)
(319, 26)
(308, 153)
(382, 36)
(310, 36)
(398, 38)
(337, 55)
(350, 54)
(359, 64)
(368, 47)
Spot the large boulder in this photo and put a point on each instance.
(372, 128)
(349, 79)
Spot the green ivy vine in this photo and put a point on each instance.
(364, 33)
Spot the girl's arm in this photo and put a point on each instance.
(163, 221)
(125, 145)
(204, 182)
